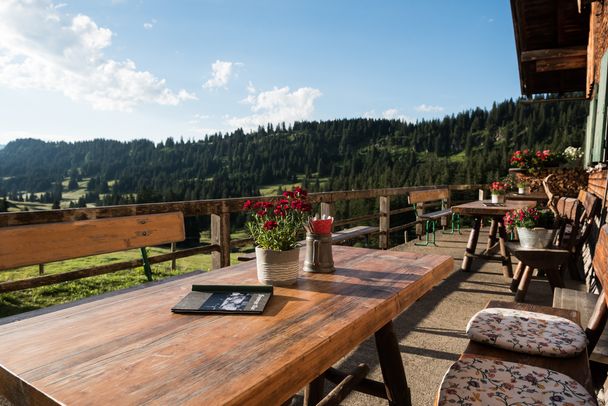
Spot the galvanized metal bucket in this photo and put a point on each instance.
(535, 237)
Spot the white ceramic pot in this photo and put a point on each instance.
(277, 268)
(521, 190)
(535, 237)
(498, 198)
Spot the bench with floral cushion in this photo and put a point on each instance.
(542, 352)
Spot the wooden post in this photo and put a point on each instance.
(385, 221)
(419, 212)
(220, 234)
(173, 261)
(327, 209)
(40, 269)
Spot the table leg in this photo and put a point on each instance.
(471, 245)
(313, 393)
(492, 236)
(391, 365)
(520, 296)
(507, 267)
(517, 277)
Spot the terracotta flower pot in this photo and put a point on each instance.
(277, 268)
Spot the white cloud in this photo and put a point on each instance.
(277, 106)
(390, 114)
(148, 25)
(426, 108)
(43, 48)
(250, 87)
(221, 73)
(394, 114)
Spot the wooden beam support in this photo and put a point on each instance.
(220, 235)
(555, 64)
(337, 395)
(554, 53)
(385, 221)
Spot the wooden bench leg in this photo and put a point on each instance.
(520, 296)
(471, 245)
(391, 365)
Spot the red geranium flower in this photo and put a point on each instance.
(270, 225)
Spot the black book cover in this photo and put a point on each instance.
(225, 299)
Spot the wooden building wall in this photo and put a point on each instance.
(598, 42)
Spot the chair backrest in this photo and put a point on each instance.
(591, 209)
(43, 243)
(428, 195)
(598, 319)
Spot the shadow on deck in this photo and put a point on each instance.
(431, 331)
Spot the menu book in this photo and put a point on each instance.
(229, 299)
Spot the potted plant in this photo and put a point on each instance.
(274, 226)
(498, 190)
(535, 227)
(522, 187)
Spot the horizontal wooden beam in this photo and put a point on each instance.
(553, 53)
(567, 63)
(100, 270)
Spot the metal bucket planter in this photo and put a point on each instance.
(277, 268)
(535, 237)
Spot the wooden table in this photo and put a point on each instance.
(538, 197)
(130, 348)
(478, 210)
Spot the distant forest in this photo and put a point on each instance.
(469, 147)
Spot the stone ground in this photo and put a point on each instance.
(431, 332)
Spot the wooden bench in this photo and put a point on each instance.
(43, 243)
(420, 198)
(338, 237)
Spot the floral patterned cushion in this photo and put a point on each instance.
(479, 381)
(527, 332)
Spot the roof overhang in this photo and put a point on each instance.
(551, 37)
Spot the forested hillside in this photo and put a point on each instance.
(470, 147)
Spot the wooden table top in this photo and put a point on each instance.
(534, 196)
(131, 348)
(479, 208)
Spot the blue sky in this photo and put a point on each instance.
(126, 69)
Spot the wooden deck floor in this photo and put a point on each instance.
(431, 332)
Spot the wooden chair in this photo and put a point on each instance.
(577, 217)
(43, 243)
(419, 198)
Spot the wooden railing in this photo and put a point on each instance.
(219, 211)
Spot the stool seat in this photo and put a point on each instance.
(527, 332)
(480, 381)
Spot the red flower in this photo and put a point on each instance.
(247, 205)
(261, 213)
(270, 224)
(287, 193)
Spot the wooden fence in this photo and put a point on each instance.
(219, 211)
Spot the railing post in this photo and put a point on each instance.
(419, 212)
(220, 235)
(173, 261)
(327, 209)
(40, 269)
(385, 221)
